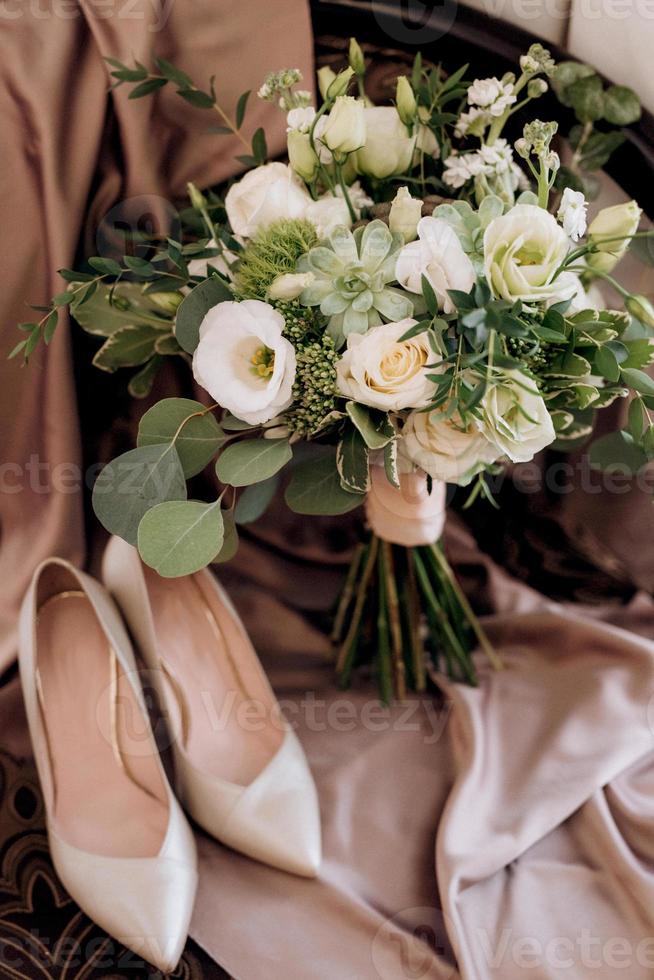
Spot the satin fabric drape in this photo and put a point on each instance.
(72, 150)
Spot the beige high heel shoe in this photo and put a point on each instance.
(118, 838)
(240, 770)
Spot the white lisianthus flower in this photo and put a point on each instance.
(388, 148)
(572, 213)
(438, 255)
(380, 370)
(345, 128)
(491, 94)
(446, 448)
(522, 252)
(300, 119)
(264, 195)
(243, 360)
(605, 230)
(515, 417)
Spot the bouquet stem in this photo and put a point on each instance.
(403, 611)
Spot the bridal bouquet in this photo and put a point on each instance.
(407, 303)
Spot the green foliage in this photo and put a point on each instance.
(187, 423)
(272, 253)
(316, 488)
(255, 500)
(195, 307)
(352, 461)
(179, 537)
(252, 461)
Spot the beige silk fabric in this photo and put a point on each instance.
(72, 150)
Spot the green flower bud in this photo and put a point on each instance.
(301, 155)
(325, 77)
(168, 302)
(355, 58)
(611, 232)
(641, 308)
(536, 88)
(340, 84)
(405, 214)
(405, 100)
(198, 199)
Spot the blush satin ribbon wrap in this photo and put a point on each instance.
(408, 516)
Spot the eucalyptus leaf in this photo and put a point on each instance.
(179, 537)
(621, 105)
(133, 483)
(140, 384)
(255, 500)
(315, 488)
(195, 306)
(638, 380)
(252, 461)
(198, 435)
(230, 541)
(617, 451)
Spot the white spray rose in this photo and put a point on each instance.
(243, 360)
(405, 214)
(445, 448)
(522, 251)
(515, 417)
(380, 370)
(265, 194)
(388, 147)
(345, 128)
(327, 213)
(438, 255)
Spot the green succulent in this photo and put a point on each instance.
(351, 275)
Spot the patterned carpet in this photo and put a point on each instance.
(43, 934)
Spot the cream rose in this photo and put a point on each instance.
(388, 148)
(438, 255)
(515, 417)
(265, 194)
(380, 370)
(327, 213)
(522, 251)
(345, 128)
(445, 448)
(243, 360)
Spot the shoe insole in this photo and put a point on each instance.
(229, 716)
(109, 796)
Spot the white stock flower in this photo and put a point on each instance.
(445, 448)
(474, 119)
(388, 148)
(264, 195)
(380, 370)
(522, 252)
(515, 417)
(438, 255)
(243, 360)
(487, 161)
(358, 197)
(300, 119)
(572, 213)
(491, 94)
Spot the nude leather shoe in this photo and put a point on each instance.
(240, 770)
(119, 840)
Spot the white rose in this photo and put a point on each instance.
(445, 448)
(327, 213)
(380, 370)
(265, 194)
(522, 251)
(243, 360)
(439, 256)
(515, 417)
(405, 214)
(388, 148)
